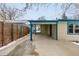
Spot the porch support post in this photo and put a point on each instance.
(41, 28)
(50, 30)
(35, 28)
(30, 31)
(57, 31)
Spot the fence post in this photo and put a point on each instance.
(17, 31)
(11, 31)
(2, 23)
(20, 30)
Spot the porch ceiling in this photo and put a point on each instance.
(43, 21)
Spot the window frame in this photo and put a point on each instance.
(74, 28)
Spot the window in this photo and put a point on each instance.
(73, 28)
(70, 28)
(76, 28)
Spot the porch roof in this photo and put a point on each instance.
(42, 20)
(58, 20)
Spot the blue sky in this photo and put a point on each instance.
(52, 12)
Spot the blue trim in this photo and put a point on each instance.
(30, 31)
(67, 20)
(42, 20)
(59, 20)
(57, 31)
(50, 30)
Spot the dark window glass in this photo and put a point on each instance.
(70, 31)
(76, 30)
(70, 28)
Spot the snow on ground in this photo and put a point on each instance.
(75, 43)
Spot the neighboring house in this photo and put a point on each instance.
(67, 29)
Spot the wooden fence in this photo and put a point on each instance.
(11, 31)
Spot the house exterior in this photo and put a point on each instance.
(67, 29)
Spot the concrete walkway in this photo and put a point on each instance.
(47, 46)
(22, 47)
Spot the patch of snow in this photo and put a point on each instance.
(75, 43)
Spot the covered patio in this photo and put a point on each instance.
(47, 27)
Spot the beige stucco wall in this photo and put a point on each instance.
(45, 29)
(49, 30)
(54, 31)
(62, 33)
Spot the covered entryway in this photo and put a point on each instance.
(46, 27)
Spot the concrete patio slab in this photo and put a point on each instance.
(47, 46)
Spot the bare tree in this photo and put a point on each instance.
(65, 7)
(76, 13)
(9, 13)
